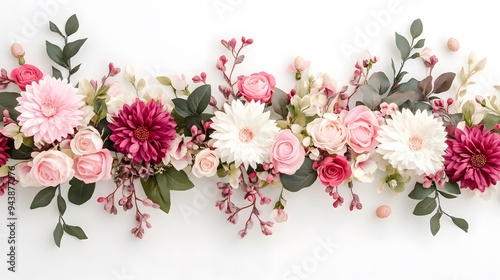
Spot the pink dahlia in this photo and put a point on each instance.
(4, 156)
(473, 158)
(50, 110)
(145, 131)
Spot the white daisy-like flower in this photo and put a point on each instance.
(244, 133)
(413, 142)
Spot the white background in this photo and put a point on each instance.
(194, 241)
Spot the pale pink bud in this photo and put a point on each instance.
(232, 43)
(17, 50)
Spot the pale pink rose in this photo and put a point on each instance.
(179, 83)
(178, 154)
(114, 89)
(91, 168)
(86, 141)
(24, 175)
(287, 155)
(279, 215)
(364, 168)
(205, 164)
(362, 126)
(332, 171)
(329, 133)
(25, 75)
(257, 87)
(51, 168)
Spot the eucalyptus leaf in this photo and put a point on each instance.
(72, 25)
(416, 28)
(303, 178)
(75, 231)
(53, 27)
(371, 97)
(443, 82)
(75, 69)
(403, 46)
(164, 80)
(420, 43)
(58, 233)
(400, 97)
(8, 101)
(461, 223)
(43, 198)
(419, 192)
(175, 180)
(434, 223)
(55, 54)
(380, 82)
(490, 121)
(61, 205)
(79, 192)
(72, 48)
(452, 187)
(425, 86)
(279, 101)
(181, 107)
(425, 207)
(447, 195)
(56, 73)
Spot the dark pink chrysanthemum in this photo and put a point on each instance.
(144, 131)
(4, 156)
(473, 158)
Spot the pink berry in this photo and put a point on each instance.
(453, 44)
(383, 211)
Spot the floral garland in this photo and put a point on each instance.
(252, 137)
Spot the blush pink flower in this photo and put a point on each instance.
(50, 110)
(144, 131)
(332, 171)
(91, 168)
(473, 158)
(257, 87)
(25, 75)
(362, 126)
(51, 168)
(287, 155)
(329, 133)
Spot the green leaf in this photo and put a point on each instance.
(425, 207)
(443, 82)
(56, 73)
(23, 153)
(380, 82)
(100, 109)
(43, 198)
(371, 97)
(403, 46)
(435, 225)
(490, 121)
(55, 29)
(181, 106)
(72, 48)
(159, 194)
(61, 205)
(421, 106)
(452, 187)
(419, 192)
(75, 231)
(461, 223)
(72, 25)
(416, 28)
(190, 121)
(400, 97)
(392, 66)
(279, 100)
(75, 69)
(164, 80)
(8, 101)
(425, 86)
(420, 43)
(303, 178)
(55, 54)
(174, 180)
(79, 192)
(58, 233)
(199, 99)
(447, 195)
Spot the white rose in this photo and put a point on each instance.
(329, 133)
(205, 164)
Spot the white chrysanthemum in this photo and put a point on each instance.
(413, 142)
(244, 133)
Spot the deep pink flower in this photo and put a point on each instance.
(25, 75)
(4, 156)
(145, 131)
(473, 158)
(334, 170)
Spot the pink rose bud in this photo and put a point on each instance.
(249, 41)
(17, 50)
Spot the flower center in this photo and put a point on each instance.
(48, 109)
(246, 135)
(415, 143)
(141, 134)
(478, 160)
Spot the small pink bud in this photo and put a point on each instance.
(252, 175)
(453, 44)
(101, 199)
(383, 211)
(232, 43)
(449, 101)
(17, 50)
(203, 76)
(196, 79)
(249, 41)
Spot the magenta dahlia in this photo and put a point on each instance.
(4, 156)
(145, 131)
(473, 158)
